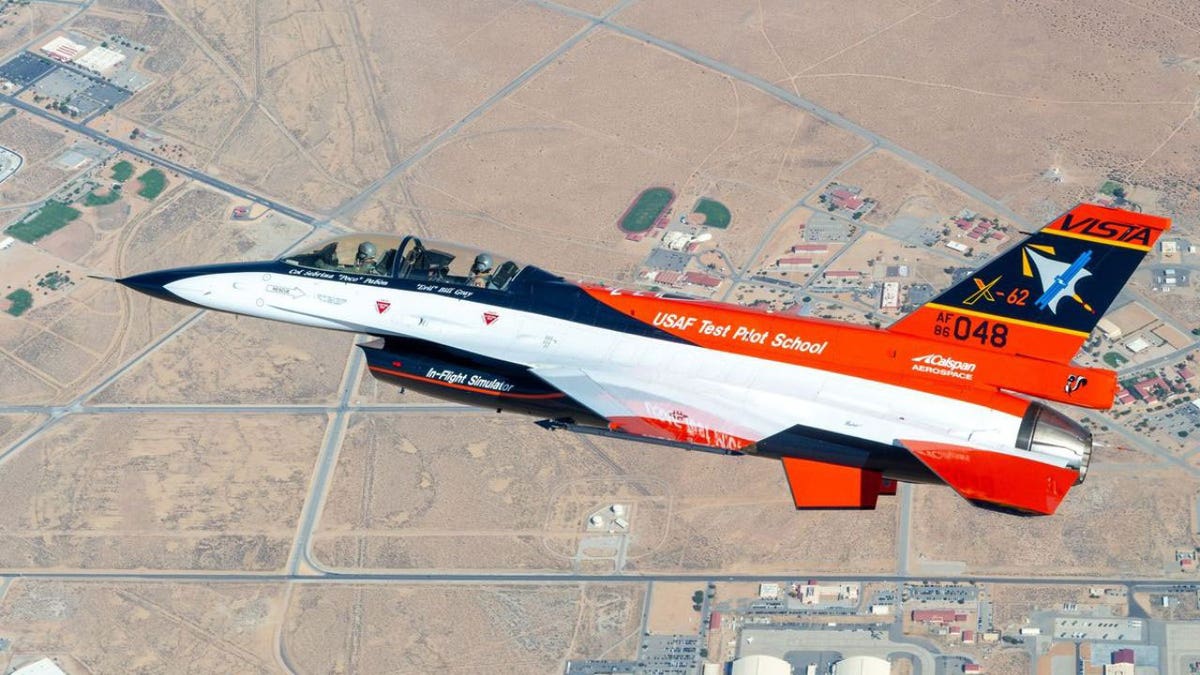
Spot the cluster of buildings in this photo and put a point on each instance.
(1186, 559)
(801, 256)
(80, 76)
(847, 199)
(971, 226)
(673, 262)
(949, 622)
(1156, 386)
(813, 593)
(98, 59)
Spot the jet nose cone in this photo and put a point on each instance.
(154, 284)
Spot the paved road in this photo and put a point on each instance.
(904, 494)
(221, 576)
(194, 174)
(240, 409)
(302, 544)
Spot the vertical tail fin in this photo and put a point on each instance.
(1043, 297)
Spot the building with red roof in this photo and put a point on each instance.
(938, 615)
(795, 261)
(701, 279)
(668, 277)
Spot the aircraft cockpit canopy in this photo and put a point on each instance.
(391, 256)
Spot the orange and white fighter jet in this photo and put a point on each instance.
(946, 395)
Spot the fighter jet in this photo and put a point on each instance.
(951, 394)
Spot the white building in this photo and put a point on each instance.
(100, 60)
(891, 295)
(760, 664)
(42, 667)
(62, 49)
(862, 665)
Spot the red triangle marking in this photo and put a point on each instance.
(489, 318)
(382, 306)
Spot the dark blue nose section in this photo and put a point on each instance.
(154, 284)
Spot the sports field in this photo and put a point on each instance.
(52, 216)
(153, 183)
(94, 199)
(21, 300)
(715, 213)
(122, 171)
(646, 209)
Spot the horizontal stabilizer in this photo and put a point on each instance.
(995, 478)
(817, 485)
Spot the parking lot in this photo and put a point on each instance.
(1099, 629)
(669, 654)
(25, 68)
(955, 594)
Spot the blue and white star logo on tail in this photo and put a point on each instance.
(1062, 276)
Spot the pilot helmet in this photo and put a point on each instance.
(366, 251)
(483, 263)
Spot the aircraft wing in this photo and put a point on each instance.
(700, 413)
(708, 413)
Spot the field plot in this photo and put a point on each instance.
(874, 253)
(38, 144)
(1012, 604)
(71, 338)
(163, 627)
(165, 491)
(26, 21)
(1147, 515)
(193, 228)
(452, 491)
(771, 39)
(671, 610)
(904, 195)
(13, 427)
(223, 359)
(438, 491)
(711, 498)
(518, 170)
(52, 216)
(954, 106)
(483, 45)
(609, 623)
(435, 629)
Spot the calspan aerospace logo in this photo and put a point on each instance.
(937, 364)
